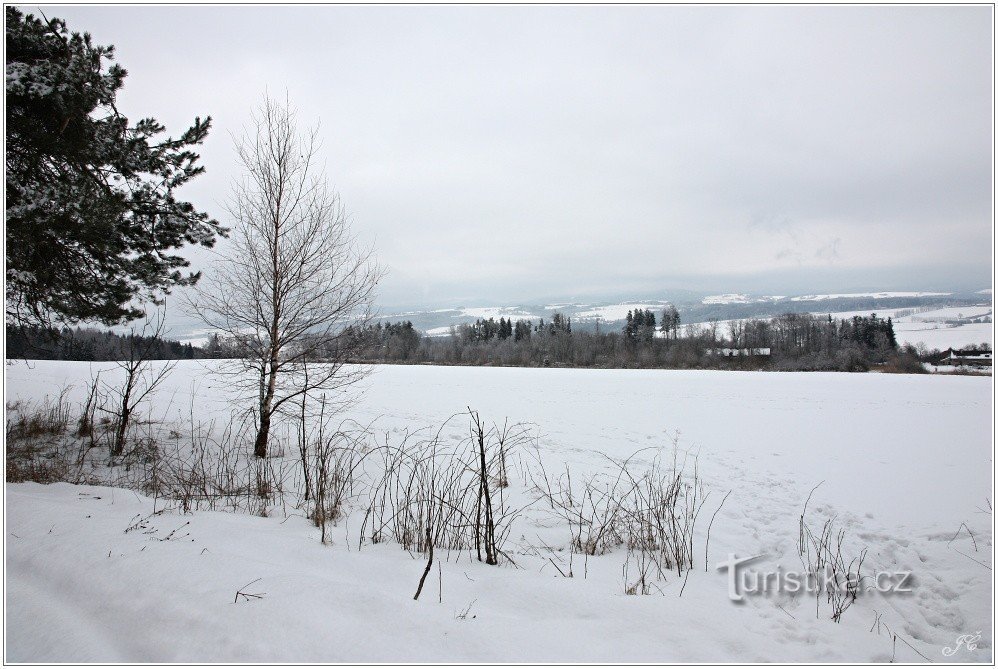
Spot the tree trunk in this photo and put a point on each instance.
(266, 411)
(260, 447)
(119, 436)
(304, 468)
(490, 538)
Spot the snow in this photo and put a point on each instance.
(942, 337)
(198, 336)
(930, 327)
(728, 298)
(498, 312)
(882, 295)
(443, 331)
(952, 313)
(563, 305)
(904, 460)
(618, 312)
(738, 298)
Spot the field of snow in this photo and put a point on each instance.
(486, 313)
(929, 327)
(738, 298)
(727, 298)
(905, 465)
(952, 313)
(940, 336)
(877, 296)
(617, 312)
(442, 331)
(563, 305)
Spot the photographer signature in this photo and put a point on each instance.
(968, 640)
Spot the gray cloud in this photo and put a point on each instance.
(504, 153)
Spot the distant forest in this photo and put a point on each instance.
(39, 343)
(791, 342)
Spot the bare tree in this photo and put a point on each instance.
(295, 277)
(141, 376)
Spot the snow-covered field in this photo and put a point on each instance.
(740, 298)
(937, 328)
(933, 327)
(878, 296)
(905, 465)
(617, 312)
(497, 313)
(942, 337)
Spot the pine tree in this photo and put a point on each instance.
(522, 331)
(505, 328)
(647, 331)
(676, 320)
(666, 322)
(889, 330)
(91, 212)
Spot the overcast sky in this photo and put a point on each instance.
(519, 153)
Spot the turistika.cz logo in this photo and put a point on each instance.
(743, 580)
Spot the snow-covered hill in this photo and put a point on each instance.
(721, 307)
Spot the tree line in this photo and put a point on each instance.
(792, 341)
(35, 342)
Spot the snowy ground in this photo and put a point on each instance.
(933, 327)
(938, 328)
(616, 312)
(740, 298)
(486, 313)
(878, 296)
(904, 461)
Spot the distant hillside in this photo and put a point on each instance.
(698, 309)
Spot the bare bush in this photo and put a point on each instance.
(651, 509)
(216, 470)
(821, 554)
(51, 418)
(85, 423)
(331, 458)
(592, 508)
(41, 467)
(660, 515)
(38, 446)
(141, 378)
(211, 468)
(448, 495)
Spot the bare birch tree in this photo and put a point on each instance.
(295, 277)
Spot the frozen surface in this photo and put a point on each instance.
(904, 460)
